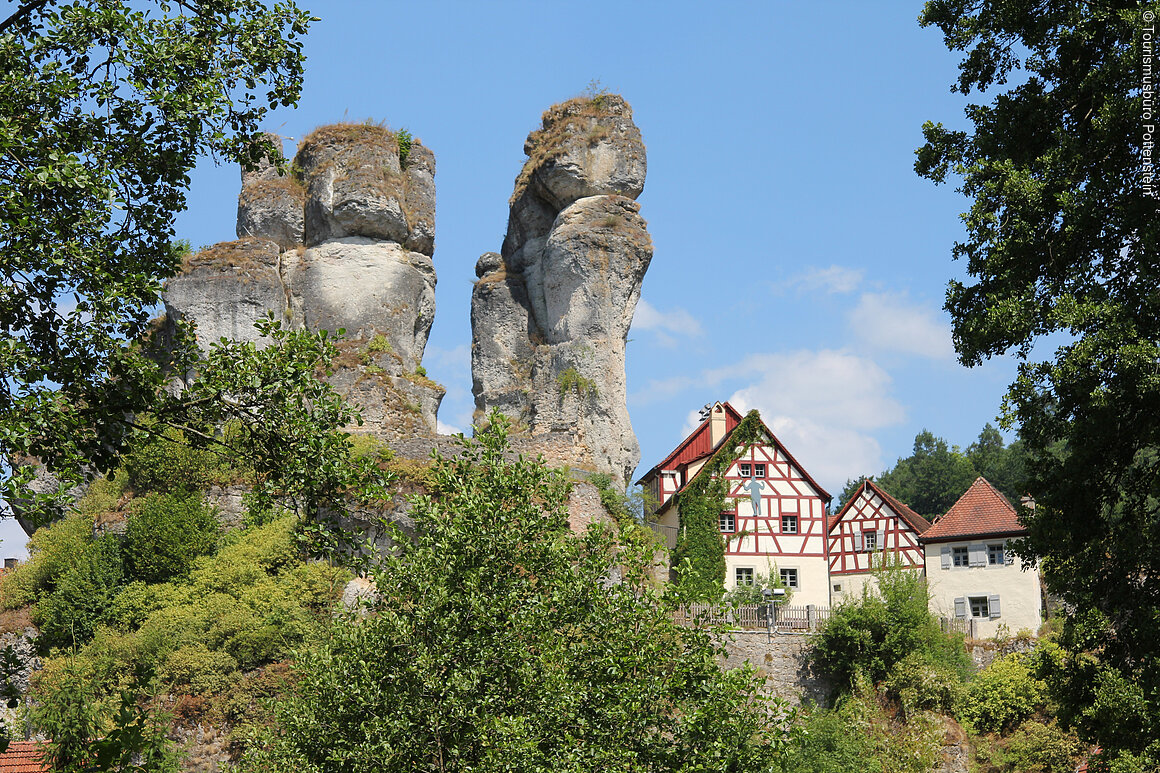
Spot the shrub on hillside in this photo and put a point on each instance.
(921, 684)
(1038, 747)
(871, 634)
(166, 533)
(52, 551)
(1002, 695)
(69, 616)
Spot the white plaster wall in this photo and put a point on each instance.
(813, 578)
(1019, 597)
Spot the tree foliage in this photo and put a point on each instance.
(503, 641)
(105, 106)
(869, 636)
(1062, 238)
(936, 474)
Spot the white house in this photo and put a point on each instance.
(776, 514)
(871, 530)
(970, 570)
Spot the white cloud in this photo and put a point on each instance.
(822, 405)
(891, 322)
(835, 279)
(446, 429)
(669, 327)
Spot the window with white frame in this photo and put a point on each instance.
(960, 556)
(789, 524)
(789, 578)
(744, 469)
(759, 470)
(869, 541)
(996, 555)
(727, 522)
(743, 575)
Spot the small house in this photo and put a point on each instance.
(871, 531)
(970, 570)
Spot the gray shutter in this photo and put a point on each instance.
(978, 554)
(857, 542)
(993, 605)
(946, 557)
(882, 539)
(960, 607)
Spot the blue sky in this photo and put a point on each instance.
(800, 263)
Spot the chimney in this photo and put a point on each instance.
(717, 424)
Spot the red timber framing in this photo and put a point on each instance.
(791, 517)
(873, 526)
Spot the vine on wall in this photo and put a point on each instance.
(699, 556)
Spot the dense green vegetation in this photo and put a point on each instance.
(904, 686)
(1061, 240)
(501, 642)
(932, 478)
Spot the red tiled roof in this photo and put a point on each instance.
(981, 512)
(696, 444)
(23, 757)
(913, 519)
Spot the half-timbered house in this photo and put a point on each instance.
(775, 517)
(872, 530)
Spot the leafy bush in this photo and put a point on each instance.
(166, 462)
(70, 614)
(202, 671)
(872, 634)
(166, 533)
(920, 684)
(860, 736)
(499, 644)
(52, 551)
(1038, 747)
(1002, 695)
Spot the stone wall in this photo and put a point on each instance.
(781, 659)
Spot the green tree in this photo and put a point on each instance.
(1004, 467)
(105, 106)
(503, 641)
(932, 478)
(1062, 238)
(874, 633)
(166, 532)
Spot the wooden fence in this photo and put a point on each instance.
(963, 625)
(786, 619)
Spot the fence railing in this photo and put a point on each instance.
(667, 533)
(963, 625)
(786, 619)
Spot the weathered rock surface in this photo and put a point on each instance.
(270, 205)
(345, 243)
(226, 288)
(550, 313)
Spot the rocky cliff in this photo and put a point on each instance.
(550, 312)
(344, 240)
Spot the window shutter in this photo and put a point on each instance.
(993, 605)
(978, 554)
(857, 542)
(961, 607)
(946, 557)
(882, 539)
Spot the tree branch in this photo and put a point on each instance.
(22, 12)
